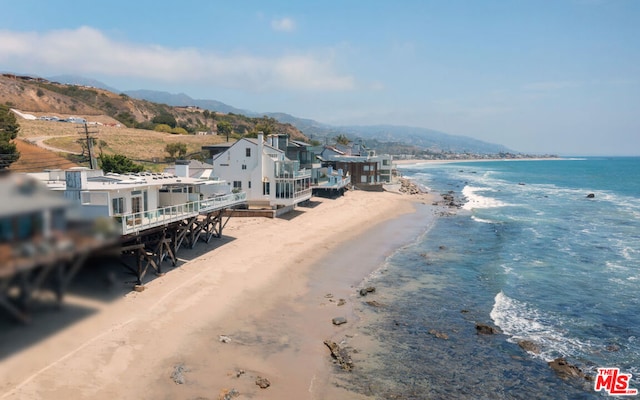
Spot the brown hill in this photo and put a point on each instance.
(41, 97)
(36, 159)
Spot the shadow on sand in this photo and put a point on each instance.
(99, 282)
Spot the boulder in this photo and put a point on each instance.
(339, 320)
(528, 345)
(484, 329)
(591, 196)
(340, 355)
(263, 383)
(367, 290)
(566, 370)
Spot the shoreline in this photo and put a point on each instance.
(130, 347)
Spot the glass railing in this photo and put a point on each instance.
(136, 222)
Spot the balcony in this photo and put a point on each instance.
(136, 222)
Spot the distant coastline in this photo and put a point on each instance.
(471, 159)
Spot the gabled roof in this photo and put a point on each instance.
(255, 142)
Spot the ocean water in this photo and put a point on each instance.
(528, 253)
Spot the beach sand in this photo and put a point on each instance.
(269, 288)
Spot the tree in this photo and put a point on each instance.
(162, 128)
(206, 114)
(179, 131)
(267, 126)
(165, 118)
(8, 123)
(119, 164)
(225, 128)
(9, 128)
(342, 139)
(176, 148)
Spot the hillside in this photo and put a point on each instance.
(35, 159)
(37, 95)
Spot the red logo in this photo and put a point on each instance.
(614, 382)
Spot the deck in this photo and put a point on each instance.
(134, 223)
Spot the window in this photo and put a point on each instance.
(248, 151)
(237, 184)
(265, 188)
(244, 166)
(118, 205)
(365, 168)
(249, 184)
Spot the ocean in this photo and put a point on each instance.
(528, 253)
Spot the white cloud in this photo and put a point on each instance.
(283, 25)
(88, 51)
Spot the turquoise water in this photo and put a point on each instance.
(528, 253)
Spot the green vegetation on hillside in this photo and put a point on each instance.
(9, 129)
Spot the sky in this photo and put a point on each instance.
(538, 76)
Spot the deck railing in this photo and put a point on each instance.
(136, 222)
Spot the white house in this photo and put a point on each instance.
(264, 172)
(146, 200)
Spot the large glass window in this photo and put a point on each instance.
(118, 205)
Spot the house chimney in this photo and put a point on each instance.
(260, 154)
(182, 168)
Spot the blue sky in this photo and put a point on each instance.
(538, 76)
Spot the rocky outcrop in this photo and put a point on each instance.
(263, 383)
(484, 329)
(367, 290)
(340, 355)
(528, 345)
(566, 370)
(408, 187)
(339, 320)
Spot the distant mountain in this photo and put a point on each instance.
(393, 136)
(422, 138)
(80, 80)
(181, 100)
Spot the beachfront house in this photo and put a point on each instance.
(146, 200)
(39, 247)
(326, 181)
(263, 171)
(366, 168)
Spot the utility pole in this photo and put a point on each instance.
(93, 161)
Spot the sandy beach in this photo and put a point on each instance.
(260, 289)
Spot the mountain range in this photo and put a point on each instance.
(382, 137)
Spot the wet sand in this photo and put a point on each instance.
(272, 289)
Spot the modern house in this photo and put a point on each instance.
(365, 167)
(146, 200)
(326, 181)
(263, 171)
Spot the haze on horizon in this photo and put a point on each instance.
(538, 76)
